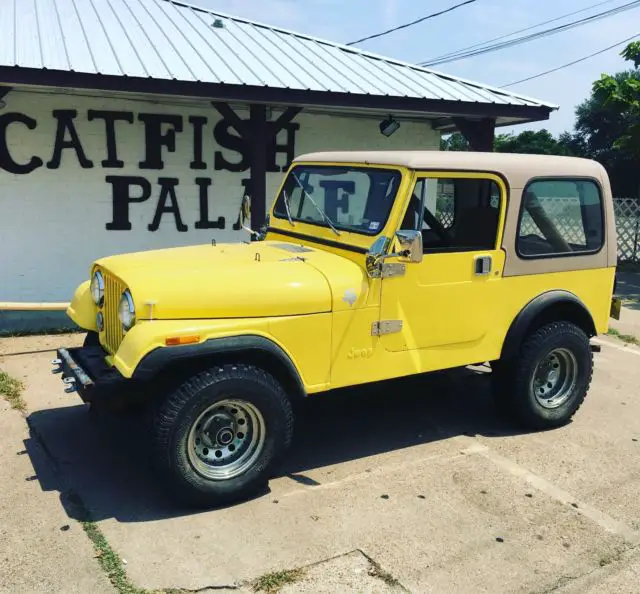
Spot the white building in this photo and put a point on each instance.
(130, 125)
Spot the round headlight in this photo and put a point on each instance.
(97, 288)
(126, 311)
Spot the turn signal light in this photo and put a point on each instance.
(176, 340)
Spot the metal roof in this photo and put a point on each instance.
(172, 41)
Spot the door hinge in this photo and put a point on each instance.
(386, 327)
(392, 269)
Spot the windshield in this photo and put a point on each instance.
(356, 199)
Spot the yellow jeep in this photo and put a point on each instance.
(373, 265)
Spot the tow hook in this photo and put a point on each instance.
(71, 385)
(57, 363)
(596, 348)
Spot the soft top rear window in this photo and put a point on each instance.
(560, 217)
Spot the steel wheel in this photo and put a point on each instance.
(226, 439)
(554, 378)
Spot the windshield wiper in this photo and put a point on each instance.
(285, 199)
(324, 216)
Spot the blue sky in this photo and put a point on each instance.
(346, 20)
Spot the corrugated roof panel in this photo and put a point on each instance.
(242, 67)
(271, 71)
(27, 45)
(170, 39)
(368, 71)
(160, 41)
(165, 18)
(352, 82)
(331, 79)
(308, 76)
(7, 40)
(54, 56)
(271, 59)
(73, 39)
(125, 57)
(196, 32)
(101, 48)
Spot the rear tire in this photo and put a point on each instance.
(548, 381)
(218, 438)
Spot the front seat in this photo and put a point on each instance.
(476, 228)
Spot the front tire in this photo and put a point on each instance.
(219, 436)
(548, 382)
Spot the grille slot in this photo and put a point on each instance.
(113, 333)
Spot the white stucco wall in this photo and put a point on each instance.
(53, 222)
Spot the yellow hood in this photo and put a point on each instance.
(237, 280)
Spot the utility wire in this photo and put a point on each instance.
(559, 18)
(538, 35)
(602, 51)
(420, 20)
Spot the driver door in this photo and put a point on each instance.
(448, 302)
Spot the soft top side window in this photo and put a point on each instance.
(455, 214)
(560, 217)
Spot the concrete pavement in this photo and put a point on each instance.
(41, 549)
(418, 478)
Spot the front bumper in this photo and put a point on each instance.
(85, 371)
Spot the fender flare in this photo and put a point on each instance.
(536, 307)
(156, 360)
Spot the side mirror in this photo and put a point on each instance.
(410, 243)
(245, 209)
(245, 215)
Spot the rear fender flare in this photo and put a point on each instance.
(547, 307)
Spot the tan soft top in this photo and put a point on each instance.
(517, 168)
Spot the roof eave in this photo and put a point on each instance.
(270, 95)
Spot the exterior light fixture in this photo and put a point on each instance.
(388, 126)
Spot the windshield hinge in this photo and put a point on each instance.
(386, 327)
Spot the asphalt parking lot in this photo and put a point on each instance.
(404, 486)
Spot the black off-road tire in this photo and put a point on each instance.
(512, 391)
(91, 339)
(175, 417)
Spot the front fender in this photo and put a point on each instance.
(144, 350)
(82, 310)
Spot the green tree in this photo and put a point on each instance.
(539, 142)
(621, 93)
(454, 142)
(607, 126)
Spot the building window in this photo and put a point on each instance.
(560, 217)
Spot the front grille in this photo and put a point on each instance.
(113, 334)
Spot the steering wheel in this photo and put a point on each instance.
(444, 234)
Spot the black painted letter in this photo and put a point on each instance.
(224, 137)
(110, 118)
(198, 123)
(155, 138)
(6, 161)
(288, 148)
(204, 223)
(65, 123)
(168, 190)
(121, 197)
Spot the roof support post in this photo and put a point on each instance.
(259, 135)
(479, 133)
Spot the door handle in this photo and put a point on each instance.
(482, 265)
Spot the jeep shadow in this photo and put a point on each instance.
(99, 462)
